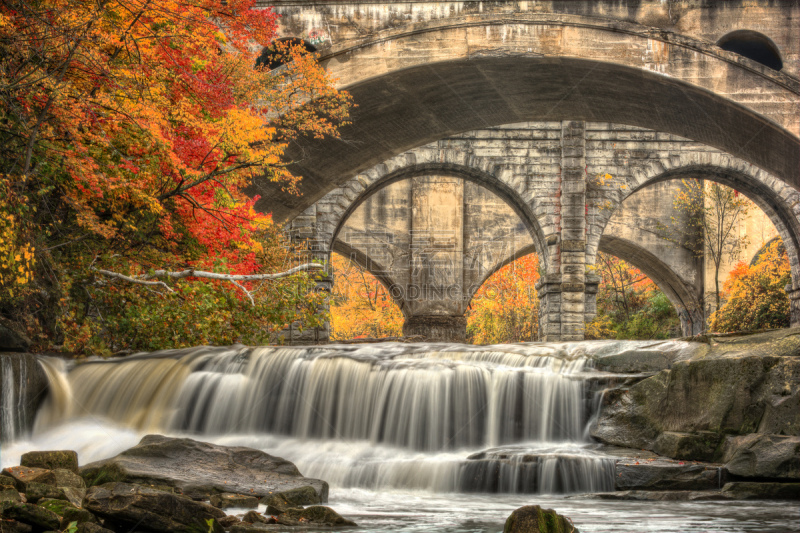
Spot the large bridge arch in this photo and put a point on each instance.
(415, 85)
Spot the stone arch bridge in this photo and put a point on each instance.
(525, 108)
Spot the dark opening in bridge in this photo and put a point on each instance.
(752, 45)
(275, 55)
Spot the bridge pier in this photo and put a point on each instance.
(437, 328)
(794, 306)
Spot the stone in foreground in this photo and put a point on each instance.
(534, 519)
(124, 506)
(40, 518)
(51, 460)
(316, 515)
(23, 475)
(199, 469)
(227, 501)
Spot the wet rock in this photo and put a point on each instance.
(748, 490)
(27, 381)
(661, 495)
(700, 446)
(534, 519)
(642, 359)
(736, 385)
(37, 491)
(200, 469)
(10, 495)
(57, 506)
(23, 475)
(254, 517)
(33, 515)
(228, 521)
(12, 526)
(316, 515)
(763, 456)
(227, 500)
(80, 516)
(66, 478)
(254, 528)
(52, 460)
(667, 475)
(281, 501)
(124, 505)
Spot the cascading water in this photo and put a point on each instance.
(371, 416)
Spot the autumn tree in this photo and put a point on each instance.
(506, 307)
(360, 304)
(714, 213)
(629, 304)
(756, 295)
(127, 132)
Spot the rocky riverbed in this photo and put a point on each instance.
(161, 485)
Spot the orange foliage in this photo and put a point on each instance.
(506, 307)
(757, 297)
(360, 304)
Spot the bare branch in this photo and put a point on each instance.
(130, 279)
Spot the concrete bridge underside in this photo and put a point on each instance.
(435, 222)
(637, 90)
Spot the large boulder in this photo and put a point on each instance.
(199, 469)
(763, 456)
(729, 385)
(51, 460)
(534, 519)
(24, 384)
(124, 505)
(13, 340)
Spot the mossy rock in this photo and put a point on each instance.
(33, 515)
(227, 500)
(55, 505)
(81, 516)
(52, 460)
(534, 519)
(38, 491)
(6, 481)
(67, 478)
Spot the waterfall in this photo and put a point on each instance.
(372, 416)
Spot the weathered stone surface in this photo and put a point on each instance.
(23, 475)
(72, 514)
(662, 495)
(66, 478)
(736, 380)
(746, 490)
(281, 501)
(126, 505)
(667, 475)
(10, 495)
(200, 469)
(227, 500)
(763, 456)
(228, 521)
(700, 446)
(28, 513)
(7, 481)
(254, 517)
(534, 519)
(51, 460)
(316, 515)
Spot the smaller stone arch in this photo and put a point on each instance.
(752, 45)
(347, 199)
(682, 295)
(760, 252)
